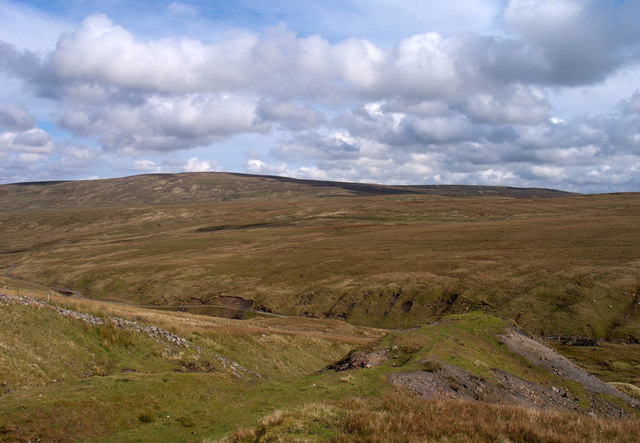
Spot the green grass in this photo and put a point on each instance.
(65, 379)
(615, 362)
(561, 266)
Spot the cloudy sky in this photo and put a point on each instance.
(542, 93)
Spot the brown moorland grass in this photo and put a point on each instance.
(216, 187)
(186, 323)
(565, 265)
(555, 266)
(396, 417)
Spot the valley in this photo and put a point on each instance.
(285, 278)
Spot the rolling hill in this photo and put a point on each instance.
(204, 187)
(373, 255)
(209, 306)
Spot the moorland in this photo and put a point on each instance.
(316, 310)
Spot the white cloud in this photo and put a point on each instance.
(434, 104)
(289, 115)
(31, 157)
(99, 51)
(517, 104)
(34, 140)
(81, 152)
(255, 166)
(426, 66)
(15, 118)
(164, 123)
(196, 165)
(145, 165)
(280, 64)
(548, 172)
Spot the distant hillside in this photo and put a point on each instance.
(201, 187)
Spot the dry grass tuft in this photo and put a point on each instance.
(112, 336)
(398, 417)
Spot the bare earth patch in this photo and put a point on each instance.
(361, 359)
(540, 355)
(451, 382)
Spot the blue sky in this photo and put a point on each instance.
(517, 93)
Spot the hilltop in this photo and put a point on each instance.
(202, 187)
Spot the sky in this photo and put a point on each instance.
(526, 93)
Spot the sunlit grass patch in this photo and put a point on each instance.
(398, 417)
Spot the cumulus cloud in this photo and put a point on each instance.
(457, 107)
(145, 165)
(454, 149)
(514, 104)
(577, 41)
(194, 164)
(289, 115)
(561, 42)
(33, 140)
(163, 123)
(15, 118)
(280, 64)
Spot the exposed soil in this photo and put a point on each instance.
(361, 359)
(447, 381)
(453, 382)
(540, 355)
(406, 306)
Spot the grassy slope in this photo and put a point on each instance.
(215, 187)
(63, 378)
(565, 265)
(396, 417)
(467, 341)
(556, 266)
(130, 387)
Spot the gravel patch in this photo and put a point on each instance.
(538, 354)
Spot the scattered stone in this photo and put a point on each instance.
(154, 332)
(453, 382)
(540, 355)
(361, 359)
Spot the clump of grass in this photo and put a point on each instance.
(186, 421)
(312, 422)
(399, 417)
(430, 365)
(112, 336)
